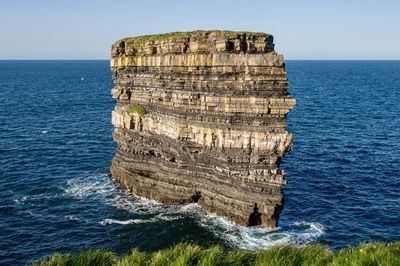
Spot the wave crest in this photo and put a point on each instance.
(130, 221)
(145, 211)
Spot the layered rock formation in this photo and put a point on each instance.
(200, 117)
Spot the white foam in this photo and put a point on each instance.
(131, 221)
(82, 187)
(253, 238)
(311, 232)
(72, 218)
(126, 201)
(21, 200)
(257, 238)
(102, 188)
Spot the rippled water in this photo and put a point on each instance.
(56, 147)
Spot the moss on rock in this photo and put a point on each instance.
(136, 108)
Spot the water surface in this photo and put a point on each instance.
(56, 147)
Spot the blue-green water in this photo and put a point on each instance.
(56, 147)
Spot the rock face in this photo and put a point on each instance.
(200, 117)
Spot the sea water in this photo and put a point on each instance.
(56, 147)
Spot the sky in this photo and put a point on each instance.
(306, 29)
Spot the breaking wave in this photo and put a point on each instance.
(298, 233)
(86, 186)
(131, 221)
(144, 211)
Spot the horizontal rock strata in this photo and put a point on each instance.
(200, 117)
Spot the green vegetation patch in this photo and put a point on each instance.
(85, 257)
(184, 35)
(136, 108)
(190, 254)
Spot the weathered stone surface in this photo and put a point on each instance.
(214, 128)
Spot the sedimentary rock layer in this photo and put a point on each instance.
(200, 117)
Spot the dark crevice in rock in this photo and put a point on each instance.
(196, 197)
(243, 44)
(186, 47)
(230, 46)
(255, 217)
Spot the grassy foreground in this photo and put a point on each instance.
(189, 254)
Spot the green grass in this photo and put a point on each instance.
(136, 108)
(190, 254)
(86, 257)
(180, 35)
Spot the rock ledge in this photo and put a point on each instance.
(212, 123)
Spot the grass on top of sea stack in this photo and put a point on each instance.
(187, 34)
(190, 254)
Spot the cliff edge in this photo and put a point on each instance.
(200, 117)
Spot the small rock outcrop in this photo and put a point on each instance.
(200, 117)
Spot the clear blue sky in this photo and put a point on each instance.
(341, 29)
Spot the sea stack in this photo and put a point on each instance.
(200, 117)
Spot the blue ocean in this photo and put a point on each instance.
(56, 147)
